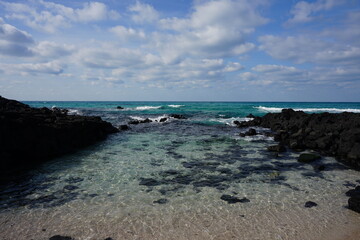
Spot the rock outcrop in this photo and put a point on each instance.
(32, 135)
(332, 134)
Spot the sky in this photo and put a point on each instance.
(183, 50)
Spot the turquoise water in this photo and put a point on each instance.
(166, 180)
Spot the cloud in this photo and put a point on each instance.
(49, 16)
(53, 50)
(53, 67)
(301, 49)
(207, 32)
(275, 74)
(305, 11)
(14, 42)
(126, 34)
(273, 68)
(110, 56)
(143, 13)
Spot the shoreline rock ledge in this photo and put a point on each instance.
(330, 134)
(29, 136)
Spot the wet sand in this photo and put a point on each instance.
(180, 222)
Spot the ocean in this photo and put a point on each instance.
(167, 180)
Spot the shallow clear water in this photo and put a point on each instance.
(166, 180)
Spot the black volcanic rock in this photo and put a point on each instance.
(177, 116)
(232, 199)
(32, 135)
(331, 134)
(276, 148)
(308, 157)
(58, 237)
(354, 200)
(310, 204)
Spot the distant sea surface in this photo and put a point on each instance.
(167, 180)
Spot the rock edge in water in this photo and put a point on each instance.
(29, 136)
(331, 134)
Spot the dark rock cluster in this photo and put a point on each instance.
(354, 200)
(32, 135)
(332, 134)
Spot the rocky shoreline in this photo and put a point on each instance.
(329, 134)
(29, 136)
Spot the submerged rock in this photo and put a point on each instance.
(232, 199)
(310, 204)
(276, 148)
(119, 107)
(251, 132)
(308, 157)
(58, 237)
(124, 127)
(149, 182)
(354, 203)
(29, 136)
(354, 200)
(161, 201)
(353, 192)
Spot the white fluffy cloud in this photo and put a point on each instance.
(126, 34)
(49, 16)
(143, 13)
(304, 11)
(214, 29)
(53, 50)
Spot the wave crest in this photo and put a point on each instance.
(147, 107)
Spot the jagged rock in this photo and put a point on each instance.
(177, 116)
(135, 122)
(250, 116)
(29, 135)
(163, 120)
(251, 132)
(308, 157)
(276, 148)
(124, 127)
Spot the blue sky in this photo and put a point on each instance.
(200, 50)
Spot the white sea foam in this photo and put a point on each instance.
(257, 138)
(176, 106)
(137, 118)
(147, 107)
(74, 112)
(154, 119)
(230, 121)
(332, 110)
